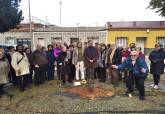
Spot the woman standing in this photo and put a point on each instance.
(21, 65)
(28, 53)
(157, 64)
(102, 65)
(4, 66)
(51, 60)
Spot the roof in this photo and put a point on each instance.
(37, 27)
(136, 25)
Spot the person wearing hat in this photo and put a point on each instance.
(157, 64)
(138, 71)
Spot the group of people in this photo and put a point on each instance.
(84, 63)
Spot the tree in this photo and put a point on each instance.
(10, 15)
(159, 5)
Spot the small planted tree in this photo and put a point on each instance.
(10, 15)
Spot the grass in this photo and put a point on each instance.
(49, 98)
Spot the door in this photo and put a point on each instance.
(140, 42)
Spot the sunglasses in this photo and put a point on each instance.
(133, 55)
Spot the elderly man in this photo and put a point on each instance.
(39, 62)
(114, 57)
(138, 70)
(90, 60)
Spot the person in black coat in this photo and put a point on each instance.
(12, 75)
(61, 65)
(51, 60)
(157, 64)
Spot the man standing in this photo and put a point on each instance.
(114, 57)
(39, 62)
(90, 60)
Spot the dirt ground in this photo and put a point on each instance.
(49, 98)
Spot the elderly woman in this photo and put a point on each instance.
(4, 66)
(157, 64)
(21, 66)
(138, 70)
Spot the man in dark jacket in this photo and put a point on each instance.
(61, 65)
(90, 60)
(51, 60)
(39, 62)
(114, 57)
(157, 64)
(138, 71)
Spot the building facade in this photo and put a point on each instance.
(143, 33)
(47, 34)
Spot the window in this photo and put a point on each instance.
(10, 40)
(161, 40)
(56, 39)
(121, 41)
(41, 41)
(24, 42)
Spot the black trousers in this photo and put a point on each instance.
(90, 73)
(50, 72)
(30, 78)
(1, 89)
(61, 72)
(102, 74)
(156, 78)
(97, 73)
(39, 76)
(139, 80)
(22, 82)
(12, 77)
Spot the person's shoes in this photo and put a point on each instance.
(83, 81)
(156, 87)
(129, 95)
(142, 98)
(152, 85)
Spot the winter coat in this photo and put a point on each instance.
(39, 58)
(75, 55)
(4, 70)
(157, 62)
(20, 62)
(50, 58)
(136, 68)
(90, 53)
(117, 57)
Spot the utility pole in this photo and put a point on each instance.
(77, 30)
(30, 24)
(60, 3)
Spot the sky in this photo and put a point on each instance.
(89, 12)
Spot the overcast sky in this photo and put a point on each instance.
(90, 12)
